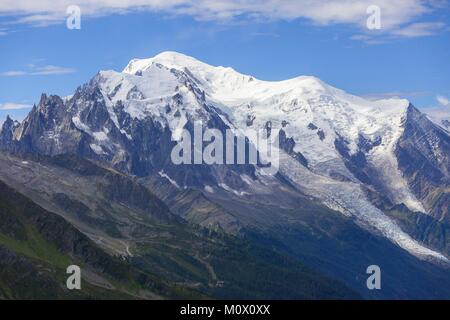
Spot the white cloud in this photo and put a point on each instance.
(13, 73)
(14, 106)
(443, 101)
(398, 15)
(439, 115)
(38, 71)
(419, 29)
(393, 95)
(50, 69)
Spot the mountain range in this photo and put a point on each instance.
(359, 182)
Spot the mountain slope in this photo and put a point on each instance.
(143, 258)
(37, 246)
(423, 153)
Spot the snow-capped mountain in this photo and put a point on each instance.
(335, 147)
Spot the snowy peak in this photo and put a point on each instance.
(312, 113)
(169, 59)
(224, 84)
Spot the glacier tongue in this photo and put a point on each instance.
(348, 198)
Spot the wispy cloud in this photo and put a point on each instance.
(443, 101)
(421, 29)
(50, 69)
(12, 73)
(396, 94)
(38, 71)
(398, 17)
(265, 34)
(439, 115)
(14, 106)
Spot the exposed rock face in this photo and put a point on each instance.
(7, 132)
(288, 144)
(90, 125)
(423, 154)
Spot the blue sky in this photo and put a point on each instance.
(409, 57)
